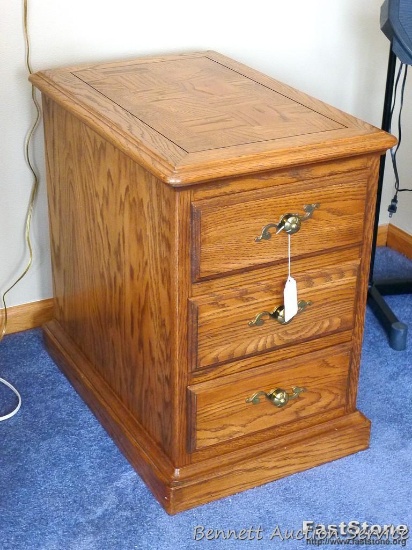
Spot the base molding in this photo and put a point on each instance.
(382, 236)
(28, 316)
(317, 445)
(180, 488)
(391, 236)
(399, 240)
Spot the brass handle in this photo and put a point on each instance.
(277, 397)
(289, 222)
(278, 314)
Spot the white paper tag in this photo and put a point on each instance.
(290, 298)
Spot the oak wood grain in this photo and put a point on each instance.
(28, 316)
(280, 177)
(161, 173)
(382, 236)
(222, 320)
(147, 457)
(218, 475)
(112, 227)
(225, 229)
(221, 410)
(213, 106)
(194, 118)
(362, 285)
(268, 357)
(315, 446)
(399, 240)
(278, 270)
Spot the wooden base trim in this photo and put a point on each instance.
(391, 236)
(178, 489)
(28, 316)
(382, 236)
(340, 437)
(399, 240)
(144, 455)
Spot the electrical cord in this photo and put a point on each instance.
(32, 199)
(392, 208)
(17, 408)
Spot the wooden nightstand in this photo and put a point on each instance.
(167, 180)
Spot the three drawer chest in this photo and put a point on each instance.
(183, 190)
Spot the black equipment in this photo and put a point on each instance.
(396, 24)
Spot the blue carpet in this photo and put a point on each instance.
(64, 484)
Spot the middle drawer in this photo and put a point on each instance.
(222, 325)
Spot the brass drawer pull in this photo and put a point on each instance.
(277, 397)
(289, 222)
(278, 314)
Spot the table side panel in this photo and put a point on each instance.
(113, 233)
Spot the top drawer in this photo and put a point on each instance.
(224, 229)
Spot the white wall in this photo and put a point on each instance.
(333, 50)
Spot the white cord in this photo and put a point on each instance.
(13, 389)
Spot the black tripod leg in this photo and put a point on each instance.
(396, 330)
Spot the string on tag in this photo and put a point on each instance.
(288, 255)
(290, 293)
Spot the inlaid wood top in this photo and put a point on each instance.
(199, 104)
(200, 116)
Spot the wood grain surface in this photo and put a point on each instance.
(362, 284)
(28, 316)
(399, 240)
(199, 116)
(161, 173)
(282, 457)
(222, 320)
(225, 229)
(221, 412)
(112, 228)
(212, 105)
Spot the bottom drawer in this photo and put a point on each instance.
(233, 407)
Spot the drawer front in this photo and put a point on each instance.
(220, 329)
(224, 229)
(224, 410)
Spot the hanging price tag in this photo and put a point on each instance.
(290, 299)
(290, 293)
